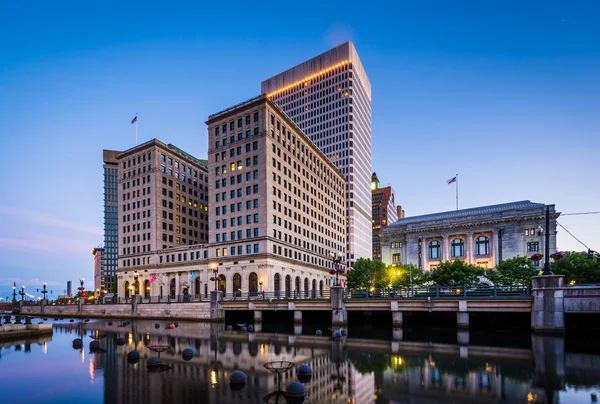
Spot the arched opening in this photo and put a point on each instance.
(237, 285)
(276, 284)
(147, 289)
(197, 287)
(482, 245)
(435, 250)
(288, 285)
(253, 284)
(306, 287)
(314, 288)
(222, 286)
(458, 248)
(127, 290)
(172, 288)
(297, 286)
(136, 287)
(321, 288)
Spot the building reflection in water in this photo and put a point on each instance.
(343, 371)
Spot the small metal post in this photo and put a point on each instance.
(495, 290)
(437, 290)
(465, 290)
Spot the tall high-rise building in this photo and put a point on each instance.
(69, 288)
(329, 98)
(109, 257)
(384, 212)
(98, 254)
(163, 201)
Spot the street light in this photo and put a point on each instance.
(215, 271)
(337, 259)
(547, 268)
(44, 291)
(14, 292)
(260, 283)
(22, 293)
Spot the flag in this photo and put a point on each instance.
(192, 276)
(451, 180)
(152, 278)
(134, 120)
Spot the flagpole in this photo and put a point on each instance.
(456, 191)
(136, 128)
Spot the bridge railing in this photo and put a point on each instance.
(439, 292)
(277, 296)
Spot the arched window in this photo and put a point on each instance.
(321, 288)
(297, 286)
(197, 287)
(237, 285)
(222, 284)
(288, 285)
(276, 284)
(172, 288)
(458, 247)
(306, 287)
(126, 285)
(253, 284)
(482, 245)
(147, 289)
(314, 288)
(435, 250)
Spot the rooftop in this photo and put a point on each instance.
(481, 210)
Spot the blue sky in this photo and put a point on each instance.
(505, 94)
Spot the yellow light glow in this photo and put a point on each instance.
(307, 79)
(213, 378)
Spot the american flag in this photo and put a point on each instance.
(451, 180)
(134, 120)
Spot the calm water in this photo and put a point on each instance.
(415, 370)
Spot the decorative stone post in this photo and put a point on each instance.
(339, 315)
(217, 314)
(547, 313)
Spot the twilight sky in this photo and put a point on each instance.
(504, 93)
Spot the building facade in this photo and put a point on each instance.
(329, 98)
(480, 236)
(163, 201)
(99, 261)
(276, 213)
(384, 211)
(111, 222)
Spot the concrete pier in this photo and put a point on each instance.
(462, 320)
(217, 314)
(547, 312)
(339, 315)
(397, 319)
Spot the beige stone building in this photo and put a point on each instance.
(98, 254)
(163, 202)
(277, 213)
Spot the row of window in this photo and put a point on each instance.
(457, 248)
(232, 124)
(237, 250)
(238, 235)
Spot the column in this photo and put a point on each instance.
(424, 253)
(217, 313)
(397, 319)
(470, 248)
(493, 249)
(446, 249)
(462, 316)
(547, 313)
(297, 317)
(339, 316)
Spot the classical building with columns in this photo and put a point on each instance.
(480, 236)
(276, 217)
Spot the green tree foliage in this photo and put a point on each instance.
(516, 271)
(400, 275)
(456, 273)
(367, 362)
(576, 267)
(366, 273)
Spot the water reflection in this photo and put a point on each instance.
(347, 371)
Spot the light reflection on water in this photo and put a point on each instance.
(352, 371)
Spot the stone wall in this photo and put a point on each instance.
(199, 311)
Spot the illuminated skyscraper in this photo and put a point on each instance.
(329, 98)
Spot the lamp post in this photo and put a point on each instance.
(337, 259)
(22, 293)
(136, 285)
(44, 291)
(215, 271)
(547, 268)
(14, 292)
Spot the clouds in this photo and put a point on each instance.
(42, 219)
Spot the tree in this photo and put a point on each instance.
(400, 275)
(514, 271)
(367, 273)
(456, 273)
(576, 267)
